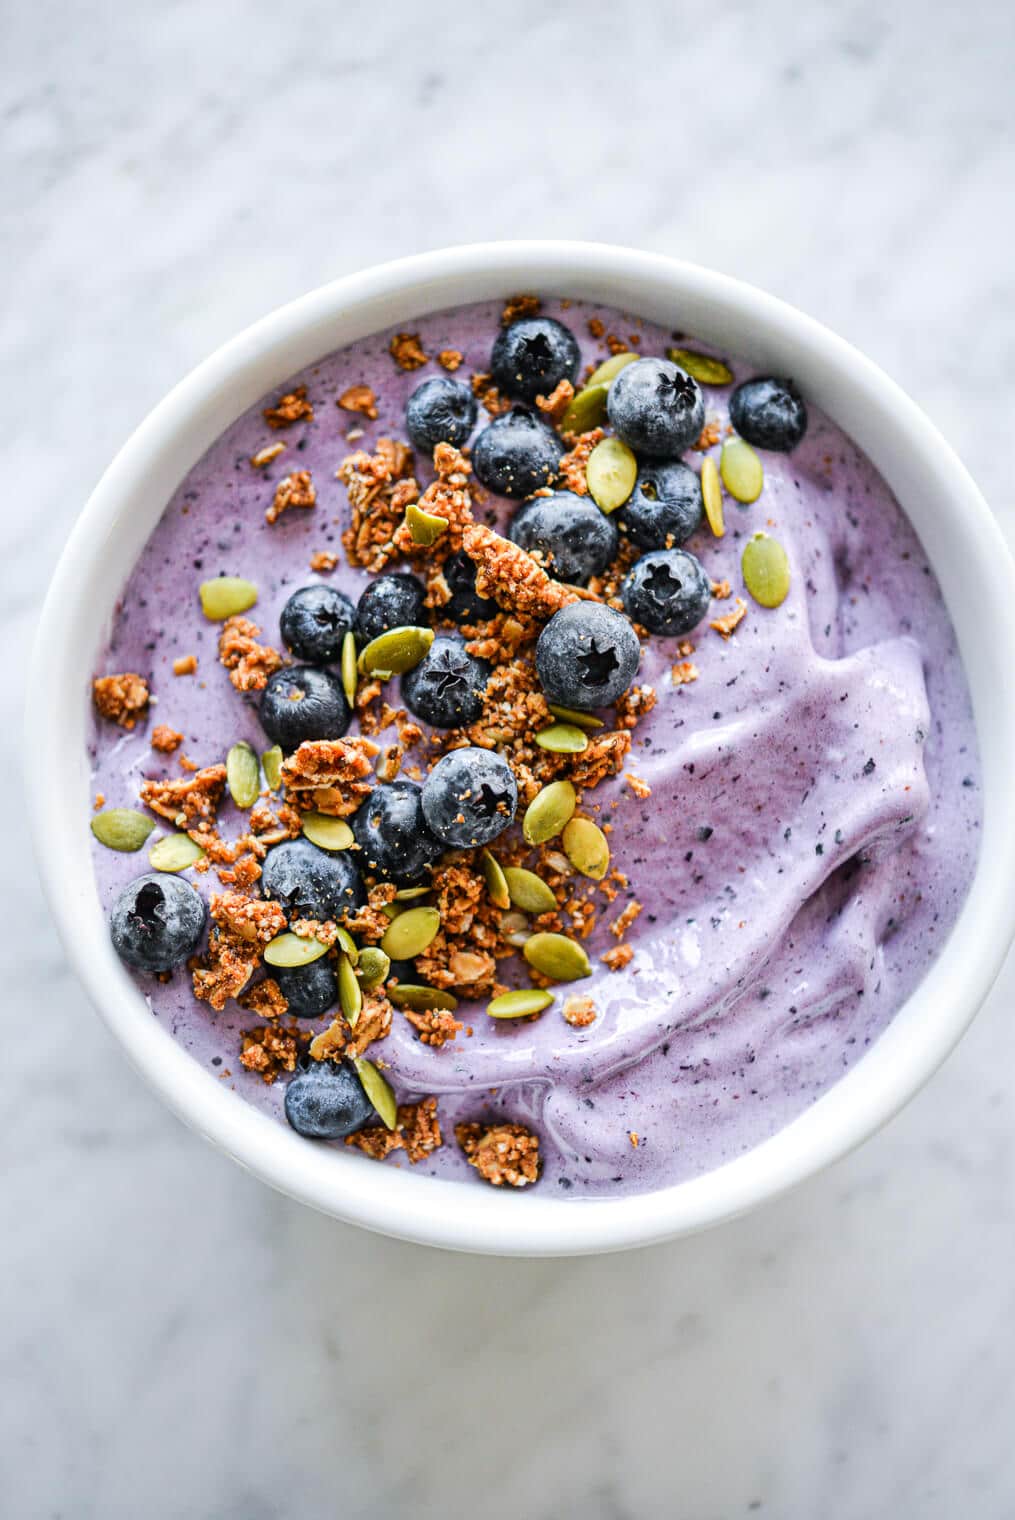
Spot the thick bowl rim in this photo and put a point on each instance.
(426, 1210)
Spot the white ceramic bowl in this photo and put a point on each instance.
(958, 533)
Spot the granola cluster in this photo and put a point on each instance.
(122, 699)
(503, 1154)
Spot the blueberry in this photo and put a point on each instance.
(157, 921)
(532, 356)
(469, 797)
(769, 413)
(309, 990)
(587, 655)
(665, 507)
(656, 408)
(667, 592)
(391, 601)
(466, 605)
(392, 833)
(326, 1101)
(573, 538)
(446, 687)
(517, 454)
(301, 702)
(440, 411)
(311, 883)
(314, 622)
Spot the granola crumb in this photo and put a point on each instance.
(416, 1131)
(165, 739)
(249, 663)
(487, 394)
(436, 1026)
(721, 590)
(574, 465)
(632, 1135)
(267, 454)
(186, 665)
(290, 408)
(633, 705)
(731, 620)
(295, 490)
(618, 345)
(122, 699)
(511, 576)
(684, 673)
(638, 786)
(380, 486)
(266, 999)
(501, 1153)
(323, 561)
(268, 1050)
(579, 1012)
(708, 437)
(617, 958)
(189, 801)
(100, 801)
(604, 756)
(556, 404)
(359, 398)
(450, 359)
(624, 920)
(596, 327)
(186, 764)
(333, 771)
(407, 352)
(516, 307)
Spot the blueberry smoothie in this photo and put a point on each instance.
(532, 748)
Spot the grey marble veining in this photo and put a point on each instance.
(176, 1339)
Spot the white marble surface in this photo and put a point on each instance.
(175, 1340)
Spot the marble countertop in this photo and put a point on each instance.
(176, 1339)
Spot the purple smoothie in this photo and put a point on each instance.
(811, 834)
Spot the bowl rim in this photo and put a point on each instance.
(391, 1200)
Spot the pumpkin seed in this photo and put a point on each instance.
(424, 527)
(326, 832)
(418, 998)
(372, 967)
(701, 367)
(407, 894)
(741, 470)
(350, 993)
(515, 928)
(395, 652)
(579, 719)
(548, 812)
(711, 496)
(243, 775)
(556, 956)
(225, 596)
(290, 950)
(378, 1090)
(610, 369)
(515, 1005)
(346, 942)
(766, 570)
(350, 675)
(562, 739)
(122, 829)
(529, 891)
(496, 881)
(174, 852)
(271, 764)
(586, 847)
(409, 934)
(586, 410)
(611, 473)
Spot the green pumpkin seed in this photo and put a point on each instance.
(766, 570)
(350, 993)
(711, 496)
(701, 367)
(372, 967)
(579, 719)
(395, 652)
(515, 1005)
(556, 956)
(225, 596)
(346, 942)
(174, 852)
(392, 909)
(586, 847)
(350, 675)
(529, 891)
(610, 369)
(548, 812)
(407, 894)
(243, 775)
(326, 832)
(741, 470)
(122, 829)
(418, 998)
(409, 934)
(611, 473)
(271, 764)
(496, 881)
(378, 1090)
(290, 950)
(425, 528)
(585, 410)
(563, 739)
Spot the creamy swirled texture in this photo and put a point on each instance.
(811, 832)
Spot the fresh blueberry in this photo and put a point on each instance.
(532, 356)
(311, 883)
(517, 454)
(656, 408)
(667, 592)
(314, 622)
(326, 1101)
(440, 411)
(446, 688)
(392, 834)
(587, 655)
(391, 601)
(665, 507)
(573, 538)
(466, 605)
(469, 797)
(769, 413)
(309, 990)
(157, 921)
(301, 702)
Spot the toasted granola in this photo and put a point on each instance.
(267, 454)
(624, 920)
(516, 307)
(340, 1040)
(380, 487)
(556, 404)
(579, 1011)
(501, 1153)
(269, 1050)
(573, 466)
(165, 739)
(416, 1131)
(266, 999)
(323, 561)
(249, 663)
(617, 958)
(185, 665)
(122, 699)
(361, 399)
(337, 772)
(407, 351)
(634, 705)
(604, 757)
(708, 437)
(683, 673)
(290, 408)
(448, 496)
(295, 490)
(436, 1026)
(254, 919)
(188, 801)
(730, 620)
(511, 576)
(450, 359)
(487, 394)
